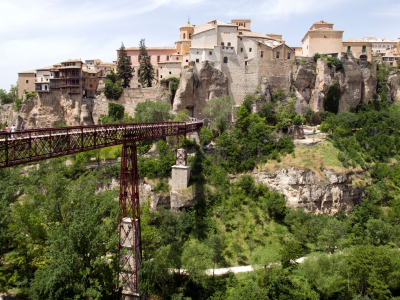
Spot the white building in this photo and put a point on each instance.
(382, 46)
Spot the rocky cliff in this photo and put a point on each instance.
(328, 193)
(195, 89)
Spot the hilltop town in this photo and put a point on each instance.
(229, 58)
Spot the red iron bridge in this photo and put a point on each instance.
(33, 145)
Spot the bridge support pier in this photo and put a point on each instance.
(129, 243)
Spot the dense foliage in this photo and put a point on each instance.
(152, 111)
(367, 136)
(113, 88)
(146, 68)
(9, 97)
(116, 113)
(219, 110)
(124, 68)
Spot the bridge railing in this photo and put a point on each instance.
(37, 144)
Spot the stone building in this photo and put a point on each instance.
(26, 82)
(322, 39)
(359, 48)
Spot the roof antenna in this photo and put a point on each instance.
(188, 19)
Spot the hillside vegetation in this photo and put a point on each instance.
(58, 231)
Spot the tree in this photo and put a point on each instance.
(309, 114)
(115, 111)
(113, 88)
(152, 111)
(206, 135)
(220, 111)
(146, 68)
(82, 245)
(124, 67)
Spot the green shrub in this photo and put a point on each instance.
(115, 111)
(17, 104)
(29, 96)
(161, 187)
(278, 95)
(309, 114)
(316, 56)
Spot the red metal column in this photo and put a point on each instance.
(129, 245)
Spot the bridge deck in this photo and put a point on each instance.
(22, 147)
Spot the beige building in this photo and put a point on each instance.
(26, 82)
(359, 48)
(322, 39)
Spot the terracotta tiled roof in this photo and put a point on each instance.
(151, 48)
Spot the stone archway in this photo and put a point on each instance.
(363, 57)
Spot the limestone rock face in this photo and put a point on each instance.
(302, 188)
(357, 82)
(394, 88)
(196, 89)
(265, 90)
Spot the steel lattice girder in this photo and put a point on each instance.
(39, 144)
(129, 234)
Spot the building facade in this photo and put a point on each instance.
(359, 48)
(26, 82)
(322, 39)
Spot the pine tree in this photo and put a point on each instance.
(146, 68)
(124, 67)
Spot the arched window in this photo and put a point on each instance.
(222, 44)
(190, 36)
(184, 36)
(225, 60)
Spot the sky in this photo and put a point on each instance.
(39, 34)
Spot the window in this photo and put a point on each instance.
(245, 63)
(160, 76)
(240, 33)
(138, 73)
(27, 81)
(169, 72)
(167, 57)
(197, 60)
(222, 44)
(391, 59)
(210, 52)
(241, 49)
(177, 58)
(325, 36)
(184, 36)
(348, 48)
(277, 54)
(138, 86)
(288, 55)
(158, 58)
(229, 44)
(250, 49)
(90, 85)
(187, 60)
(225, 60)
(42, 79)
(262, 53)
(190, 36)
(364, 49)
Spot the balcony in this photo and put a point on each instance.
(42, 91)
(70, 76)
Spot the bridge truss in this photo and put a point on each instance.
(23, 147)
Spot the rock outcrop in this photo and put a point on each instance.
(328, 193)
(195, 89)
(357, 83)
